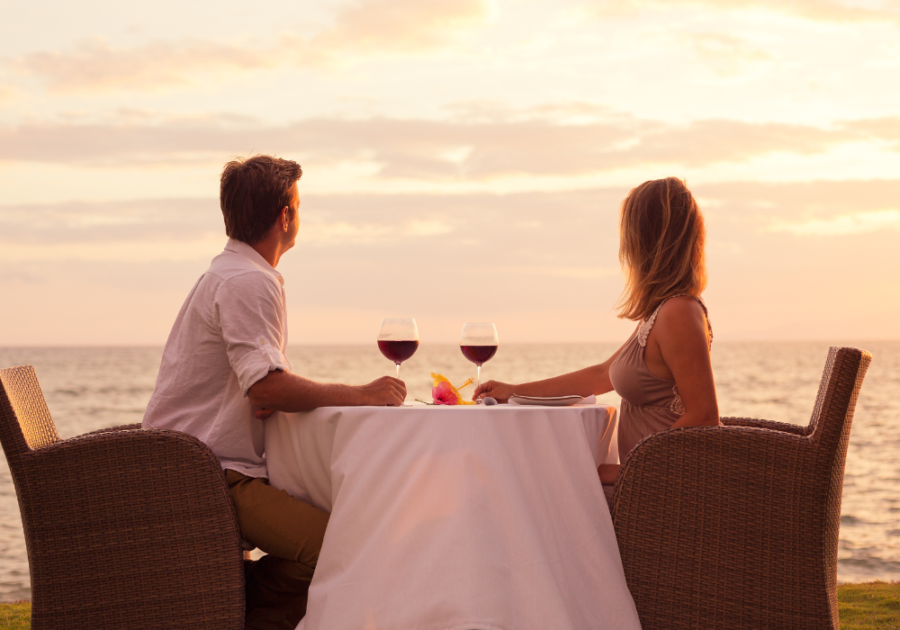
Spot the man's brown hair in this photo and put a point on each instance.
(661, 246)
(252, 193)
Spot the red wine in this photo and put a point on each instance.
(397, 351)
(478, 354)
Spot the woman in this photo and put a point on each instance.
(663, 372)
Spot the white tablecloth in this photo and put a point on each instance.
(457, 518)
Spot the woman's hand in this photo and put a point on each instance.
(608, 473)
(496, 390)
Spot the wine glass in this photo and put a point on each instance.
(479, 343)
(398, 339)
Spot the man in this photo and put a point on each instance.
(224, 369)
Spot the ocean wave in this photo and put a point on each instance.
(872, 563)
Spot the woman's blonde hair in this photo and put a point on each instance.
(661, 246)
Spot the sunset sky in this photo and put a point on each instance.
(464, 160)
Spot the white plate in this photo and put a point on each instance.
(546, 401)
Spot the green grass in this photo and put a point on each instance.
(869, 606)
(15, 616)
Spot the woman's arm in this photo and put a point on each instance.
(678, 348)
(584, 382)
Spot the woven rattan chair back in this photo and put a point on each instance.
(736, 527)
(25, 421)
(124, 528)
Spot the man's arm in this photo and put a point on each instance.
(284, 391)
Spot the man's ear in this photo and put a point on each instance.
(285, 218)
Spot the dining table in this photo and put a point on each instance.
(457, 517)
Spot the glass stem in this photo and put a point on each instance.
(478, 378)
(398, 370)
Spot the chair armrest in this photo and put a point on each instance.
(123, 427)
(711, 522)
(143, 517)
(668, 468)
(785, 427)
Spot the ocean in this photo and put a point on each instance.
(93, 388)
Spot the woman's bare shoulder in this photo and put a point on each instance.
(681, 312)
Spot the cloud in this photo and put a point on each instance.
(11, 276)
(819, 210)
(581, 273)
(401, 26)
(357, 253)
(768, 203)
(8, 93)
(537, 224)
(451, 150)
(120, 270)
(564, 112)
(858, 223)
(95, 65)
(836, 11)
(361, 27)
(727, 54)
(93, 226)
(783, 263)
(327, 221)
(886, 130)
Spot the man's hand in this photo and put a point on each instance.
(262, 414)
(384, 391)
(496, 390)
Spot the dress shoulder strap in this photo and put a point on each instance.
(647, 326)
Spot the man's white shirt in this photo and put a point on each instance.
(230, 333)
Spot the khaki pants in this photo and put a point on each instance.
(291, 533)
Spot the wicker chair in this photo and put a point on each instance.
(124, 528)
(737, 526)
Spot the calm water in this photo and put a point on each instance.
(92, 388)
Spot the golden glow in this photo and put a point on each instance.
(474, 148)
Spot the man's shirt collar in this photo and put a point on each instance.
(243, 249)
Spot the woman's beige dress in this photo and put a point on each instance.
(649, 403)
